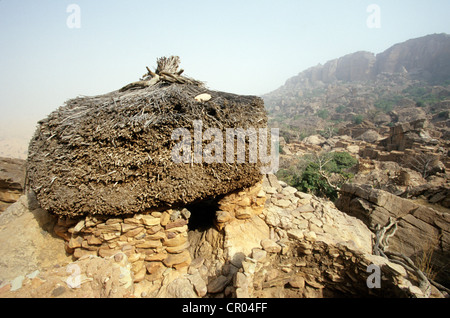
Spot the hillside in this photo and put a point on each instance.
(409, 81)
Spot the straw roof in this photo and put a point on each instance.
(111, 154)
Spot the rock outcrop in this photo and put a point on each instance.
(12, 180)
(28, 242)
(421, 230)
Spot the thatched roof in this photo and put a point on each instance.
(111, 154)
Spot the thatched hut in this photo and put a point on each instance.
(113, 154)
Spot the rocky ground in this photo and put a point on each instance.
(301, 246)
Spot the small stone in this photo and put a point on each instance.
(310, 236)
(134, 221)
(153, 267)
(127, 227)
(177, 240)
(240, 280)
(58, 291)
(295, 234)
(289, 191)
(165, 218)
(197, 262)
(175, 230)
(301, 263)
(16, 283)
(244, 202)
(109, 236)
(303, 195)
(153, 257)
(217, 285)
(304, 248)
(244, 213)
(113, 221)
(178, 249)
(149, 244)
(172, 260)
(177, 223)
(282, 183)
(105, 252)
(282, 203)
(297, 282)
(80, 225)
(139, 275)
(258, 254)
(80, 252)
(313, 283)
(118, 257)
(93, 240)
(301, 224)
(223, 216)
(33, 274)
(156, 236)
(199, 284)
(109, 228)
(261, 194)
(270, 246)
(154, 229)
(249, 265)
(203, 97)
(186, 213)
(75, 242)
(150, 220)
(306, 208)
(175, 215)
(271, 190)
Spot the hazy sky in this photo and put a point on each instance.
(245, 46)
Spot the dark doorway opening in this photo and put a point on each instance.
(203, 215)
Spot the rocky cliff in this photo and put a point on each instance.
(408, 81)
(426, 58)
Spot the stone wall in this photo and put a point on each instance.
(152, 241)
(157, 241)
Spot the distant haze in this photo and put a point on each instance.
(56, 50)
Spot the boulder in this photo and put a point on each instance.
(370, 136)
(314, 140)
(12, 179)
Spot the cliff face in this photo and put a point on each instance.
(352, 67)
(427, 58)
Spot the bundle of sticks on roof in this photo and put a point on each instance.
(111, 154)
(166, 71)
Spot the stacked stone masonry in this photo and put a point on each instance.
(152, 241)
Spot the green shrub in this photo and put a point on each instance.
(358, 119)
(311, 180)
(340, 109)
(323, 113)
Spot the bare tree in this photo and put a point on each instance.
(423, 162)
